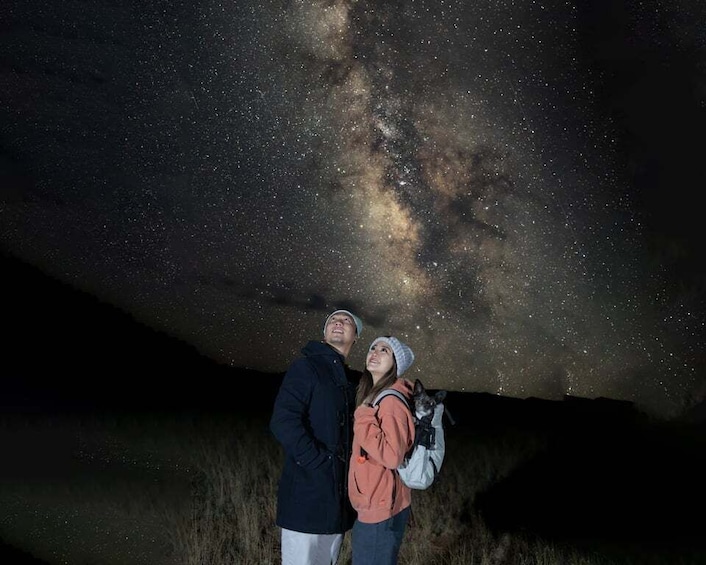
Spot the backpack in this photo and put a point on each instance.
(422, 462)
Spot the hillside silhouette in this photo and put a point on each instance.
(66, 348)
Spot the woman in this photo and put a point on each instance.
(381, 436)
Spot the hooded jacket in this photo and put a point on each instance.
(312, 420)
(382, 435)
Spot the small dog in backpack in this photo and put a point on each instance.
(424, 403)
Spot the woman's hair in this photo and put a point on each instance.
(367, 389)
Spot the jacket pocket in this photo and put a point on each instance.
(374, 487)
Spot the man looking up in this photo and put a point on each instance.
(312, 419)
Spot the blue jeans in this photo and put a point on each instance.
(379, 544)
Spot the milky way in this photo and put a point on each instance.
(230, 173)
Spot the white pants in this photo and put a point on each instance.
(310, 549)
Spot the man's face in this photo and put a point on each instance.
(340, 331)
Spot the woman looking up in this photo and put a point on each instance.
(382, 435)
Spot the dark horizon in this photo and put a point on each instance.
(65, 346)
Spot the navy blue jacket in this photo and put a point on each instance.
(313, 421)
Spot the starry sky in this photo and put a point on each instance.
(512, 188)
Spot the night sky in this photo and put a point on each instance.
(511, 187)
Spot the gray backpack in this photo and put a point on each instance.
(422, 462)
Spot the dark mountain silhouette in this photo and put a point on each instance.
(11, 555)
(66, 348)
(609, 476)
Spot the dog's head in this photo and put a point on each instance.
(424, 403)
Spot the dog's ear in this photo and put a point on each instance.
(418, 387)
(439, 396)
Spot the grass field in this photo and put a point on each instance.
(198, 487)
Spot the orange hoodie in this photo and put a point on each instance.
(385, 433)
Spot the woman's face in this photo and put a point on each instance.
(379, 360)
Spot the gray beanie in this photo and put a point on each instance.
(356, 319)
(404, 356)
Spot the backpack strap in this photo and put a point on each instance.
(396, 393)
(382, 394)
(425, 433)
(391, 391)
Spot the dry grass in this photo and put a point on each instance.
(195, 490)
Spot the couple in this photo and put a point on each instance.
(340, 451)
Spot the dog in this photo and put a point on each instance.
(424, 403)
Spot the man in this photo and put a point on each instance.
(313, 421)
